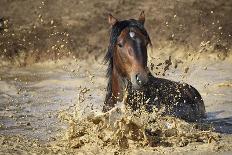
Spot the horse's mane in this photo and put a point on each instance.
(114, 34)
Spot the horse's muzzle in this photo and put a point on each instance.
(138, 80)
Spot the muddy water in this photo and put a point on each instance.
(31, 98)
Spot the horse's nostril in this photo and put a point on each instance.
(138, 79)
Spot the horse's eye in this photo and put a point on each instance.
(120, 45)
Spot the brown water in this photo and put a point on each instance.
(31, 98)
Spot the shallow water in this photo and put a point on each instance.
(31, 98)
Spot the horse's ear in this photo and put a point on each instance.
(142, 17)
(111, 19)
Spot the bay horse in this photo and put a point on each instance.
(127, 70)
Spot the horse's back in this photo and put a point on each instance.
(179, 99)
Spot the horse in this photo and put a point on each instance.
(128, 72)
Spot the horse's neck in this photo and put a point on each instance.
(119, 85)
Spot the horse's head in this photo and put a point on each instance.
(130, 49)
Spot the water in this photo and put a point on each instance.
(31, 98)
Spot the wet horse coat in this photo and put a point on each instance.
(127, 70)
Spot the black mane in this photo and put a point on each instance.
(114, 34)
